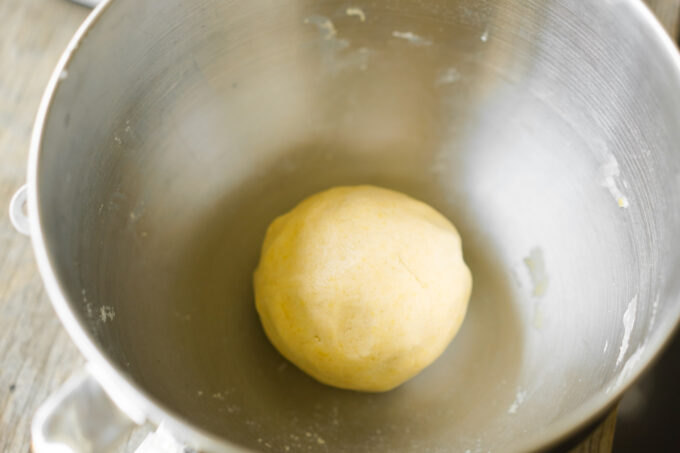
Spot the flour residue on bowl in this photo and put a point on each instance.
(337, 55)
(315, 437)
(95, 317)
(448, 76)
(137, 212)
(485, 36)
(520, 396)
(306, 440)
(628, 323)
(610, 174)
(107, 313)
(531, 272)
(412, 38)
(324, 25)
(535, 265)
(89, 308)
(358, 12)
(218, 396)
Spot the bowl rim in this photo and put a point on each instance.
(143, 406)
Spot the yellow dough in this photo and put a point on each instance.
(361, 287)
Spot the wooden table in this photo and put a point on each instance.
(36, 355)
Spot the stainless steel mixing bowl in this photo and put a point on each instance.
(173, 132)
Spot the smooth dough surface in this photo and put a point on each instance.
(361, 287)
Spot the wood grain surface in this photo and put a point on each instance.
(36, 355)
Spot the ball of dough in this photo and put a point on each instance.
(361, 287)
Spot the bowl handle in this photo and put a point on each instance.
(17, 215)
(82, 418)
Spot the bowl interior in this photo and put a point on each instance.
(546, 131)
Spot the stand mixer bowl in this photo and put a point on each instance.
(176, 131)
